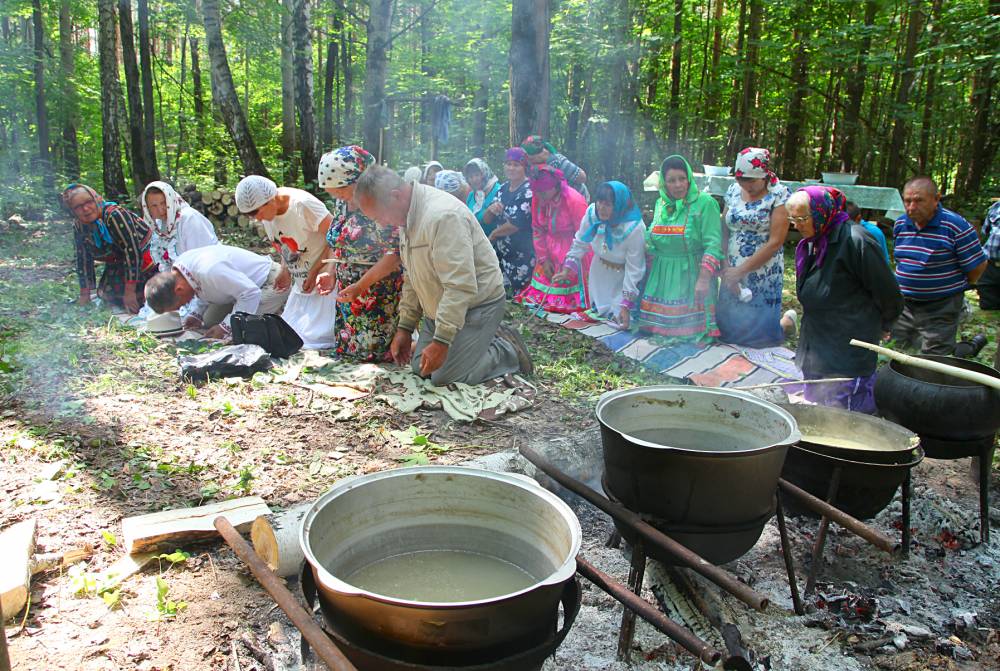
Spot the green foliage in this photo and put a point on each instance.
(419, 444)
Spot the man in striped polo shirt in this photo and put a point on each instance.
(938, 257)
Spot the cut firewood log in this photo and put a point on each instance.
(48, 561)
(227, 199)
(216, 208)
(18, 544)
(275, 539)
(213, 196)
(243, 221)
(124, 566)
(169, 529)
(232, 210)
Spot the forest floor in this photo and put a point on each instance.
(96, 426)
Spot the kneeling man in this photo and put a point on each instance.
(452, 286)
(219, 275)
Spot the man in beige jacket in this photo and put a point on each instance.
(452, 286)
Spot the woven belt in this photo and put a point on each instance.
(614, 266)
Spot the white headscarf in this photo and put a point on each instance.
(254, 192)
(163, 243)
(413, 174)
(449, 181)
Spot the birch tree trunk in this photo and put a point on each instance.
(70, 118)
(111, 159)
(224, 93)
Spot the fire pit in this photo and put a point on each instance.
(698, 463)
(954, 417)
(441, 564)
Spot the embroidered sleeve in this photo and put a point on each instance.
(129, 235)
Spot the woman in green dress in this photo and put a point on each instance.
(684, 248)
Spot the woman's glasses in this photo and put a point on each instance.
(799, 220)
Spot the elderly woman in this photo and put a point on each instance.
(296, 222)
(364, 270)
(614, 230)
(540, 152)
(556, 212)
(453, 182)
(484, 188)
(847, 290)
(685, 248)
(430, 172)
(177, 227)
(105, 231)
(512, 238)
(756, 224)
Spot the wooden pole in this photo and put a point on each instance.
(917, 362)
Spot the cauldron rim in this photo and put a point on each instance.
(559, 575)
(916, 459)
(792, 438)
(975, 366)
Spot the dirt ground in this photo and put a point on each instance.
(95, 426)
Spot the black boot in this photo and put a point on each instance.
(970, 348)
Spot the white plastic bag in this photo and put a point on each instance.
(313, 317)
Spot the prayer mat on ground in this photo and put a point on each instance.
(717, 365)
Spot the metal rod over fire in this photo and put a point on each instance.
(312, 632)
(650, 534)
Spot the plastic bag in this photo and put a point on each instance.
(313, 317)
(229, 361)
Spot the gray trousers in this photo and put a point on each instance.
(476, 354)
(931, 325)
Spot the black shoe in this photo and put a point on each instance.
(970, 348)
(511, 335)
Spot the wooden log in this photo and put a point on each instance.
(243, 221)
(213, 196)
(275, 539)
(227, 199)
(216, 208)
(169, 529)
(18, 545)
(49, 561)
(125, 566)
(232, 211)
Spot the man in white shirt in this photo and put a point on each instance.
(218, 275)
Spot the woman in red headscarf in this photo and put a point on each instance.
(556, 213)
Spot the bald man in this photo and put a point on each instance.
(938, 257)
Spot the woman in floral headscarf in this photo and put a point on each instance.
(541, 152)
(685, 248)
(364, 258)
(177, 227)
(755, 228)
(847, 290)
(556, 212)
(485, 187)
(105, 231)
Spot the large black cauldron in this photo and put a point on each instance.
(953, 417)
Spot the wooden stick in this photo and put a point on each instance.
(17, 544)
(819, 380)
(275, 539)
(937, 367)
(168, 529)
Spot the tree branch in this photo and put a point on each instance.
(357, 17)
(411, 24)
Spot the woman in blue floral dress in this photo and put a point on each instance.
(364, 258)
(749, 309)
(512, 237)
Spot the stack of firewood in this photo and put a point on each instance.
(218, 206)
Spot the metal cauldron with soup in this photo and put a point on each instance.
(423, 564)
(701, 464)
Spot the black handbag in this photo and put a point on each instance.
(269, 331)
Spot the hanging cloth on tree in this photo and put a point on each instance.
(441, 118)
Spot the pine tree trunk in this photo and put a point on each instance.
(346, 53)
(373, 104)
(714, 95)
(895, 161)
(148, 119)
(41, 115)
(303, 65)
(111, 159)
(573, 118)
(142, 173)
(332, 59)
(675, 79)
(789, 162)
(288, 131)
(929, 90)
(749, 90)
(529, 69)
(856, 91)
(224, 93)
(70, 150)
(180, 100)
(984, 140)
(733, 135)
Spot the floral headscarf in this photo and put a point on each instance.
(99, 230)
(534, 144)
(167, 228)
(755, 162)
(546, 178)
(449, 181)
(516, 154)
(343, 166)
(489, 181)
(625, 210)
(828, 207)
